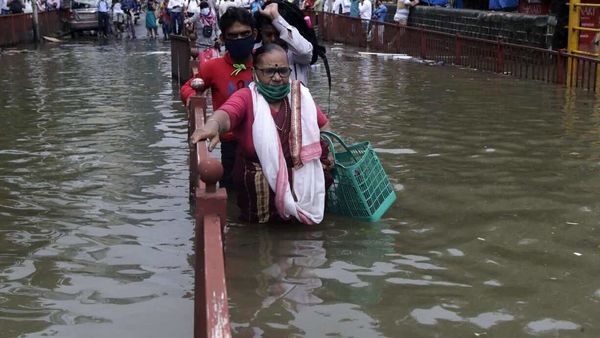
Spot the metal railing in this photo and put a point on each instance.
(180, 58)
(18, 28)
(498, 56)
(211, 311)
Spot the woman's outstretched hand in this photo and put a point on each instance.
(210, 131)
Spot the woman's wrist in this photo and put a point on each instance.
(216, 123)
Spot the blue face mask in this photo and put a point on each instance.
(240, 49)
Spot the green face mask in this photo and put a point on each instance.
(273, 93)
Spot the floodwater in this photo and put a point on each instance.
(495, 231)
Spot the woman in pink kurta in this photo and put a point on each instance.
(256, 198)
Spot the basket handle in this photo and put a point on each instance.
(327, 135)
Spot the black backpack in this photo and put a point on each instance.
(207, 31)
(295, 17)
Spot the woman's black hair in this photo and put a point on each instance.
(203, 4)
(264, 49)
(233, 15)
(294, 16)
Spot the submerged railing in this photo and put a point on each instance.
(211, 312)
(523, 62)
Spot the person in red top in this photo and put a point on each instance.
(223, 76)
(285, 115)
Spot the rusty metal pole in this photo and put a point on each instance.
(36, 23)
(499, 56)
(457, 50)
(423, 44)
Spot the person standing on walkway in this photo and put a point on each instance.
(129, 7)
(354, 10)
(4, 7)
(118, 19)
(379, 16)
(205, 26)
(103, 17)
(274, 28)
(224, 75)
(175, 8)
(164, 19)
(365, 9)
(151, 26)
(402, 10)
(380, 11)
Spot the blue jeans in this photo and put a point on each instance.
(176, 22)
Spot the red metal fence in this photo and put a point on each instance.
(211, 312)
(180, 58)
(18, 28)
(519, 61)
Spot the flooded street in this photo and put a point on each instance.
(495, 232)
(95, 231)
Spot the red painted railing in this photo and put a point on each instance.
(523, 62)
(211, 312)
(18, 28)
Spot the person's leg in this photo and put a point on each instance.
(133, 26)
(228, 153)
(171, 22)
(174, 16)
(165, 30)
(106, 25)
(100, 24)
(180, 24)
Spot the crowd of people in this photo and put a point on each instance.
(26, 6)
(264, 116)
(265, 119)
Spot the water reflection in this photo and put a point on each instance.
(303, 276)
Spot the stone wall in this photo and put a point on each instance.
(530, 30)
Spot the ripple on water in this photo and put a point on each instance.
(549, 325)
(437, 313)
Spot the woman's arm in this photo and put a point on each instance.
(217, 124)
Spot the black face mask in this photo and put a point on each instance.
(240, 49)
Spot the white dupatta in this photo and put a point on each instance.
(308, 179)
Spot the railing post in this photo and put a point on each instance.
(499, 56)
(457, 50)
(211, 312)
(560, 67)
(423, 44)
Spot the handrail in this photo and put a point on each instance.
(525, 62)
(211, 309)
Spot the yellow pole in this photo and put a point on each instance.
(573, 38)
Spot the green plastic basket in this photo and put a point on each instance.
(360, 188)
